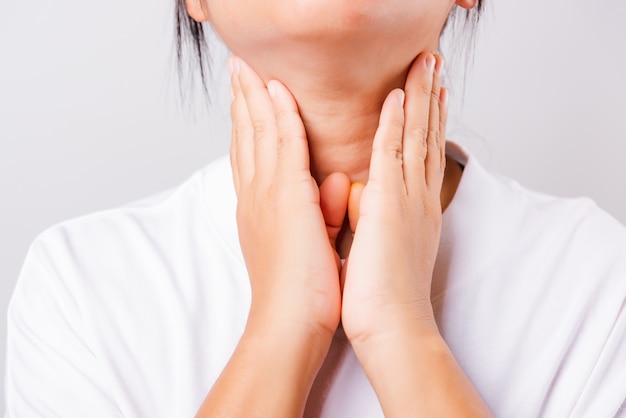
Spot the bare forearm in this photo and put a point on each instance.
(269, 374)
(417, 375)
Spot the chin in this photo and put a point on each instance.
(257, 21)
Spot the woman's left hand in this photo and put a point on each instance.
(386, 312)
(388, 274)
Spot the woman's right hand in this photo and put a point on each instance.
(287, 231)
(287, 235)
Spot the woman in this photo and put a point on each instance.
(230, 296)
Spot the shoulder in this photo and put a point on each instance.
(140, 244)
(524, 217)
(526, 240)
(542, 279)
(574, 225)
(162, 215)
(91, 287)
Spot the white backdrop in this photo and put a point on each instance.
(90, 116)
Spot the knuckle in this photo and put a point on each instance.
(282, 115)
(425, 89)
(260, 127)
(417, 132)
(288, 137)
(433, 135)
(391, 149)
(435, 95)
(282, 149)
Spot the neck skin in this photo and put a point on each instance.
(341, 120)
(340, 129)
(340, 105)
(340, 59)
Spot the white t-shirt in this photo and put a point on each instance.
(135, 311)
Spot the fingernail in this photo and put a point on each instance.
(430, 63)
(441, 63)
(271, 88)
(400, 97)
(230, 64)
(443, 96)
(232, 95)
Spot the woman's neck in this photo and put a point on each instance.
(340, 104)
(341, 121)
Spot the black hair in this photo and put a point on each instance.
(192, 46)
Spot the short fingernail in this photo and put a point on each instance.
(430, 63)
(443, 96)
(400, 97)
(271, 88)
(441, 63)
(232, 95)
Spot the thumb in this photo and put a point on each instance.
(334, 192)
(354, 204)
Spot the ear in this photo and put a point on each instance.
(197, 9)
(466, 4)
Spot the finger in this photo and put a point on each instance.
(233, 145)
(293, 151)
(443, 123)
(434, 174)
(354, 204)
(242, 147)
(262, 119)
(334, 192)
(386, 162)
(419, 86)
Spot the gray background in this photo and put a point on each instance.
(90, 115)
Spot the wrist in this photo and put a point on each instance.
(401, 368)
(271, 371)
(388, 347)
(395, 323)
(416, 374)
(301, 349)
(293, 318)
